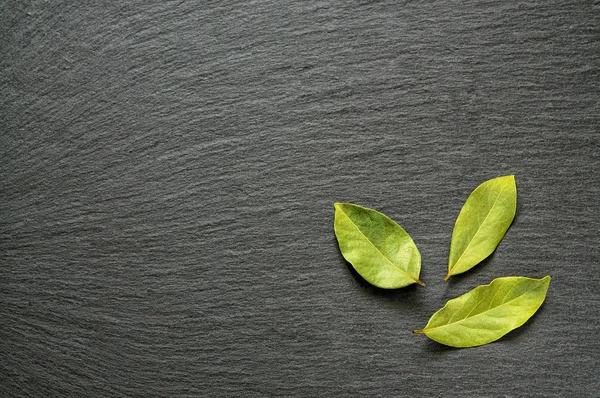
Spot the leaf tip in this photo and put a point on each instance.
(512, 180)
(338, 205)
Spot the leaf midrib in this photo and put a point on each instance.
(476, 232)
(481, 313)
(379, 251)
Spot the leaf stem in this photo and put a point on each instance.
(420, 282)
(420, 331)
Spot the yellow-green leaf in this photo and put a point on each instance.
(381, 251)
(482, 223)
(487, 312)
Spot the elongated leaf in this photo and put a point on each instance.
(481, 224)
(487, 312)
(378, 248)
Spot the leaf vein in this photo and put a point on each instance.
(476, 232)
(380, 252)
(479, 314)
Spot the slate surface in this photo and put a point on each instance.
(167, 175)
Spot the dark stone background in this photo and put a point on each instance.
(168, 171)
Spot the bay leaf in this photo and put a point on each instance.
(487, 312)
(381, 251)
(482, 223)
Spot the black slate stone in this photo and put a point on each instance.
(168, 172)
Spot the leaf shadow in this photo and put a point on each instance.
(435, 347)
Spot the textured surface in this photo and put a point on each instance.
(167, 179)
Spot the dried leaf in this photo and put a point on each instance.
(482, 223)
(381, 251)
(487, 312)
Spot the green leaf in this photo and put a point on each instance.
(378, 248)
(481, 224)
(487, 312)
